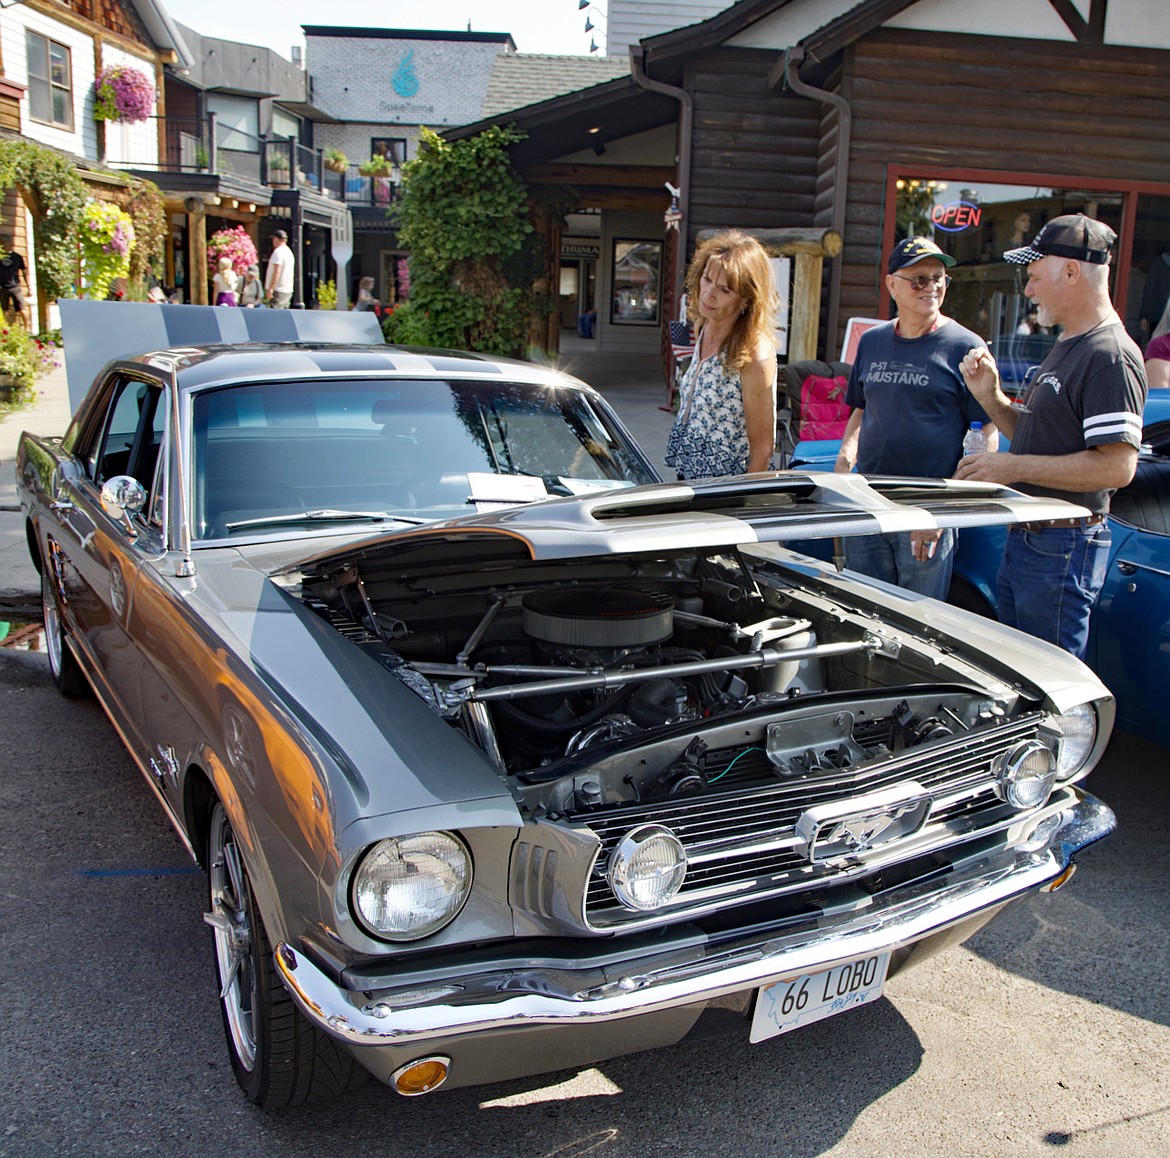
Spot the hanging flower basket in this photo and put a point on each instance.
(122, 93)
(233, 243)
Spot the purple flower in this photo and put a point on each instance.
(122, 93)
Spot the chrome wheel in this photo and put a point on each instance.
(231, 920)
(63, 666)
(278, 1057)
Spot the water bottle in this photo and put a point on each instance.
(974, 441)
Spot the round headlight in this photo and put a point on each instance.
(411, 886)
(647, 867)
(1078, 730)
(1026, 775)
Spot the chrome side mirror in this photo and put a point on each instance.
(123, 497)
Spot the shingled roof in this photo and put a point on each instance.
(523, 79)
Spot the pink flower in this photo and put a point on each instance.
(122, 93)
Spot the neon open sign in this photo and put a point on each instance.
(956, 216)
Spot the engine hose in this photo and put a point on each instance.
(558, 727)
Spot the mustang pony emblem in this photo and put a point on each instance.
(860, 832)
(845, 828)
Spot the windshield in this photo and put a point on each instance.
(270, 456)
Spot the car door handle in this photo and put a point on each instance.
(1126, 568)
(60, 505)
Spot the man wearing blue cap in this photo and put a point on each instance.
(910, 412)
(1076, 436)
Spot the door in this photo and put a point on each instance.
(97, 556)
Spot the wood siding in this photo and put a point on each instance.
(983, 103)
(754, 160)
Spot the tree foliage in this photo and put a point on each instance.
(464, 217)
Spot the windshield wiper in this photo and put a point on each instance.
(326, 515)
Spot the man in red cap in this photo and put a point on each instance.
(1075, 437)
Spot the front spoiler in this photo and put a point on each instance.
(532, 996)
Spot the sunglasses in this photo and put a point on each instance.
(923, 280)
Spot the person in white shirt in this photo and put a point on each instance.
(278, 281)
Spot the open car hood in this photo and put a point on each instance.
(769, 507)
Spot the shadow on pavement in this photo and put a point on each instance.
(1104, 936)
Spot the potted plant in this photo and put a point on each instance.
(326, 295)
(336, 160)
(278, 168)
(375, 167)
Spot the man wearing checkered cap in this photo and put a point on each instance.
(1076, 436)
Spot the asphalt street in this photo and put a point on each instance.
(1048, 1032)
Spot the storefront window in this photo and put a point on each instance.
(637, 267)
(976, 222)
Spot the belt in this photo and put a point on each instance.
(1060, 524)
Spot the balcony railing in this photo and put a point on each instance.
(205, 146)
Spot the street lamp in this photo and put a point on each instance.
(585, 6)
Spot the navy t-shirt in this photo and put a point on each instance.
(917, 406)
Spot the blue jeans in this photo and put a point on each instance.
(889, 557)
(1050, 579)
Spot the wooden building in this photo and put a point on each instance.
(973, 124)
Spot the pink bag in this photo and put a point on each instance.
(823, 412)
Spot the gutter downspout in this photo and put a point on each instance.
(686, 122)
(794, 58)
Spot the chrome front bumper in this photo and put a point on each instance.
(532, 996)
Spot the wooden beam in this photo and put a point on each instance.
(608, 176)
(787, 242)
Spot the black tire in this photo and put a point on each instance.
(279, 1058)
(63, 665)
(967, 596)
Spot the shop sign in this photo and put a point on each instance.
(956, 216)
(578, 248)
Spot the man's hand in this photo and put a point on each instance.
(923, 544)
(988, 467)
(981, 374)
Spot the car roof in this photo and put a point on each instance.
(206, 366)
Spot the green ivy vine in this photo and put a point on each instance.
(464, 217)
(50, 180)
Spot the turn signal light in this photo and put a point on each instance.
(420, 1077)
(1060, 881)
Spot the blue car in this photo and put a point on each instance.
(1129, 641)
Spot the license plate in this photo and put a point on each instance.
(786, 1005)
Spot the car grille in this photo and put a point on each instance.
(741, 843)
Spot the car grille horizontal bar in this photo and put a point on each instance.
(742, 842)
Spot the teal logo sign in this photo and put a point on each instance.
(405, 79)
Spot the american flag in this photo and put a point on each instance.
(682, 339)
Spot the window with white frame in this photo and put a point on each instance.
(237, 122)
(50, 81)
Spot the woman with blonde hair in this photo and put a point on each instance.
(726, 420)
(225, 282)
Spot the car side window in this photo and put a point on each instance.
(132, 440)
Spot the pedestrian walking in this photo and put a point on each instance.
(279, 277)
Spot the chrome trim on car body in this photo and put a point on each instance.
(548, 996)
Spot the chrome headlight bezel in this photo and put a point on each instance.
(1026, 775)
(408, 887)
(636, 880)
(1078, 740)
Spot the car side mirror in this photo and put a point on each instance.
(123, 497)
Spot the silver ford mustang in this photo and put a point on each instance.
(503, 756)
